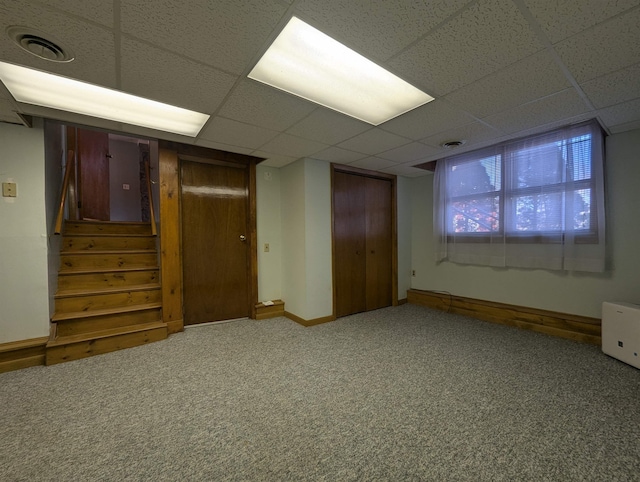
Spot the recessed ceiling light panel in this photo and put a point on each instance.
(308, 63)
(56, 92)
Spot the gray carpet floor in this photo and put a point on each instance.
(402, 393)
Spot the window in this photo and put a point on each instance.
(546, 190)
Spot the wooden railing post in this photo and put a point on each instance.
(152, 215)
(65, 189)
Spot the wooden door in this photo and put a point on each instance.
(214, 242)
(362, 216)
(93, 174)
(349, 233)
(378, 243)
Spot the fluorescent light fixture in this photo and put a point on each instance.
(48, 90)
(308, 63)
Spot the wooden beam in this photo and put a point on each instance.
(170, 250)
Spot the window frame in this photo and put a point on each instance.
(507, 195)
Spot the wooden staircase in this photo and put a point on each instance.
(109, 295)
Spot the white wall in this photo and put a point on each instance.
(293, 260)
(269, 227)
(403, 188)
(24, 294)
(575, 293)
(319, 271)
(307, 288)
(55, 158)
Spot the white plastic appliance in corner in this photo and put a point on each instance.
(621, 332)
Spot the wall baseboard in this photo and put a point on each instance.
(22, 354)
(307, 323)
(263, 312)
(564, 325)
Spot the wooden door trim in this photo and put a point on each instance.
(171, 221)
(394, 225)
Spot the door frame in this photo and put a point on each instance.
(394, 226)
(170, 156)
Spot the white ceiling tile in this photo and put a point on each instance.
(373, 141)
(336, 154)
(484, 38)
(153, 73)
(560, 20)
(603, 49)
(534, 77)
(274, 160)
(563, 105)
(255, 103)
(293, 146)
(408, 152)
(7, 113)
(327, 126)
(426, 120)
(223, 147)
(472, 134)
(622, 113)
(95, 10)
(628, 126)
(376, 28)
(226, 33)
(373, 163)
(620, 86)
(236, 133)
(92, 45)
(406, 171)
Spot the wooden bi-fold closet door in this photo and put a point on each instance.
(363, 247)
(215, 247)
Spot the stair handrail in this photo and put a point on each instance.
(152, 215)
(65, 189)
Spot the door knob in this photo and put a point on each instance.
(243, 237)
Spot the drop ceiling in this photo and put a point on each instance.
(498, 69)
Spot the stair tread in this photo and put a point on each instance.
(109, 251)
(104, 311)
(97, 221)
(94, 335)
(107, 290)
(108, 235)
(107, 270)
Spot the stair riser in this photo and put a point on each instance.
(70, 262)
(84, 349)
(107, 243)
(71, 228)
(110, 300)
(107, 280)
(97, 323)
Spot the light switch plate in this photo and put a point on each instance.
(9, 189)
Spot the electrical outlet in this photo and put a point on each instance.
(126, 187)
(266, 247)
(9, 189)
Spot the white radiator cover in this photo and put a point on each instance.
(621, 332)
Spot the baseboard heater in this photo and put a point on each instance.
(621, 332)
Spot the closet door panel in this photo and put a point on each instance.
(378, 243)
(349, 231)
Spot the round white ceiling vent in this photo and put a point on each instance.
(39, 44)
